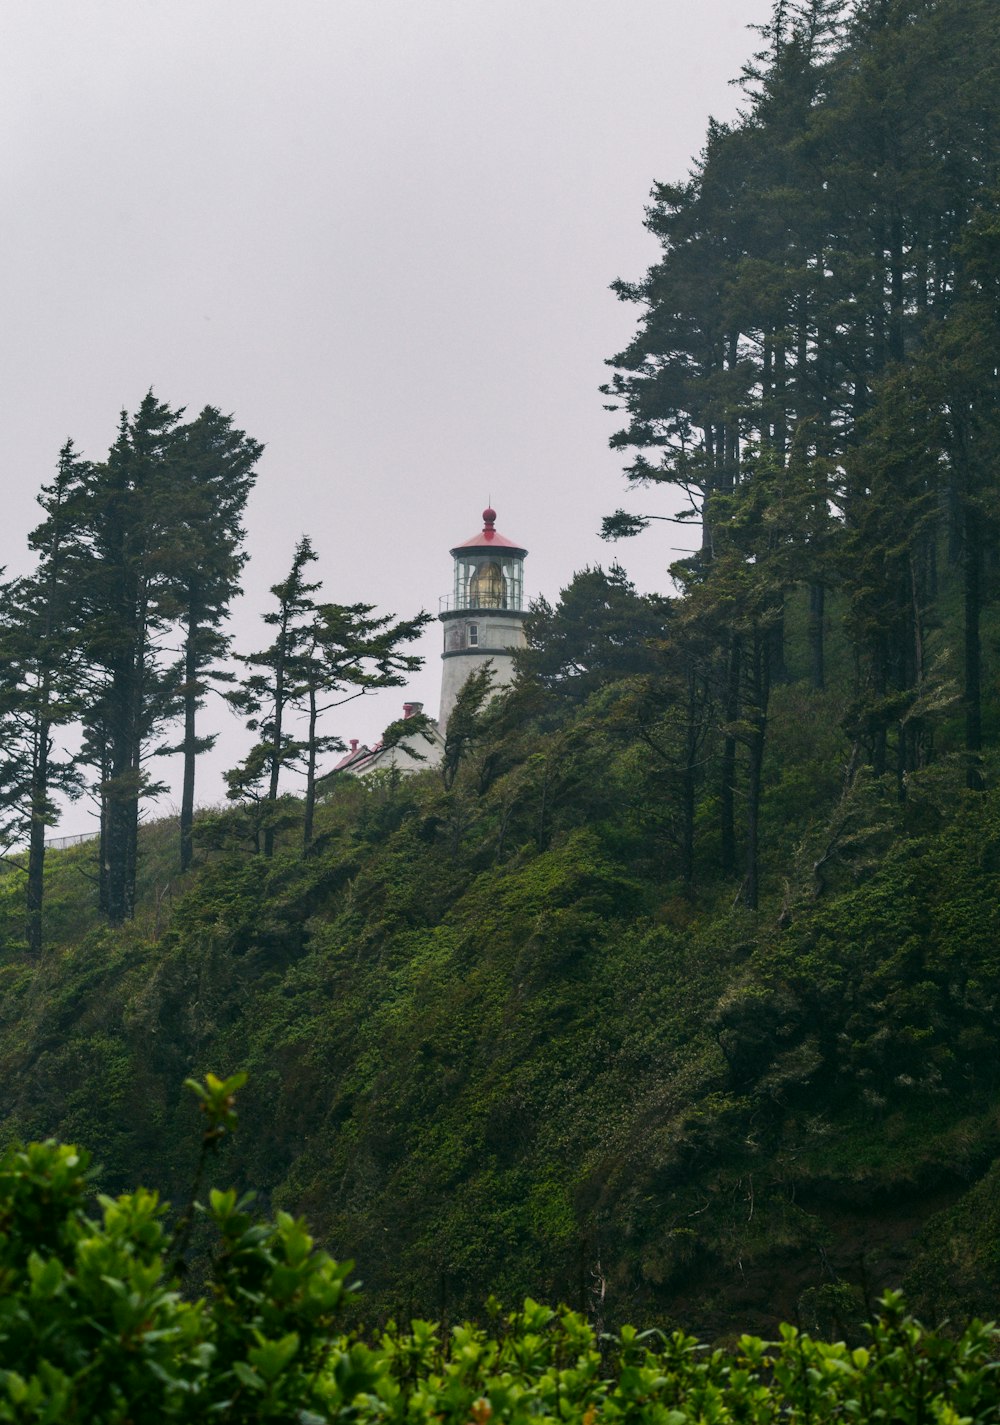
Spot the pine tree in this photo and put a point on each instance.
(212, 470)
(127, 519)
(267, 698)
(322, 655)
(43, 680)
(601, 629)
(43, 627)
(39, 694)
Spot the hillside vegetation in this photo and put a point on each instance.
(675, 998)
(93, 1328)
(494, 1047)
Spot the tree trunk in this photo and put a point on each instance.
(973, 559)
(802, 401)
(760, 689)
(896, 348)
(780, 409)
(103, 896)
(279, 711)
(190, 741)
(732, 430)
(36, 841)
(688, 787)
(135, 728)
(879, 735)
(817, 608)
(310, 810)
(118, 798)
(710, 482)
(116, 850)
(776, 643)
(727, 791)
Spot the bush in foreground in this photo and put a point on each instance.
(94, 1327)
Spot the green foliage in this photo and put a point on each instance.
(547, 1068)
(322, 655)
(600, 631)
(958, 1269)
(93, 1328)
(676, 996)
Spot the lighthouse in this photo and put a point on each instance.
(483, 616)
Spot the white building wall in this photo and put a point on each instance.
(476, 637)
(416, 755)
(458, 667)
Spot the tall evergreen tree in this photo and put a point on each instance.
(829, 227)
(42, 687)
(212, 470)
(128, 519)
(267, 698)
(39, 694)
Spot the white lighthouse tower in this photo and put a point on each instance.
(483, 617)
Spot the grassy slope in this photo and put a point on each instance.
(548, 1071)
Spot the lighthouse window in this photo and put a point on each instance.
(487, 582)
(486, 590)
(473, 635)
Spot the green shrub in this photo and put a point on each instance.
(94, 1327)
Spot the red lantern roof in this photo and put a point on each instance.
(490, 538)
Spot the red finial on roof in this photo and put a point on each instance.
(489, 537)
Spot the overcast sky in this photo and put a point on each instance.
(380, 233)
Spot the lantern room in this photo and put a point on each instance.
(489, 571)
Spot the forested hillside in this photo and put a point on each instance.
(676, 996)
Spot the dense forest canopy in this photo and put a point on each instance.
(815, 369)
(675, 995)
